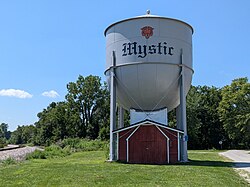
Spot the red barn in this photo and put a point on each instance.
(148, 142)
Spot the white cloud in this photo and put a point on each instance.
(51, 93)
(15, 93)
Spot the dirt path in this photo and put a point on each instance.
(17, 154)
(241, 161)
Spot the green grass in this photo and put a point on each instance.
(207, 168)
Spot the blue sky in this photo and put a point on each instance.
(45, 44)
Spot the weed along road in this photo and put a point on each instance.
(241, 159)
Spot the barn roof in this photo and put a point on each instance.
(146, 122)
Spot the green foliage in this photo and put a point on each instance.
(4, 133)
(213, 115)
(193, 120)
(37, 154)
(8, 161)
(202, 118)
(86, 96)
(66, 147)
(2, 142)
(210, 98)
(104, 132)
(53, 151)
(83, 114)
(78, 144)
(234, 112)
(23, 135)
(90, 169)
(55, 123)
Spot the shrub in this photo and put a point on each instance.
(72, 142)
(56, 151)
(77, 144)
(67, 146)
(37, 154)
(8, 161)
(53, 151)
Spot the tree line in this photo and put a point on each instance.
(213, 115)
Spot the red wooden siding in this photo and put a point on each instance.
(123, 135)
(148, 145)
(173, 144)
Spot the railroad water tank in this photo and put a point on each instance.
(151, 53)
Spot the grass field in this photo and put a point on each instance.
(206, 168)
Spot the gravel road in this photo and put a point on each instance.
(241, 160)
(17, 154)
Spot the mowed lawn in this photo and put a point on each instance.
(206, 168)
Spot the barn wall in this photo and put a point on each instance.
(173, 144)
(148, 145)
(123, 135)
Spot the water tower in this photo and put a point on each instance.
(149, 72)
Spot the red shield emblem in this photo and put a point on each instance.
(147, 31)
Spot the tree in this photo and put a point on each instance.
(4, 133)
(103, 115)
(193, 121)
(203, 125)
(56, 122)
(234, 110)
(86, 96)
(84, 112)
(211, 128)
(23, 135)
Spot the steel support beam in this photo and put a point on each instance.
(182, 116)
(112, 108)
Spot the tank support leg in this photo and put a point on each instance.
(112, 108)
(182, 117)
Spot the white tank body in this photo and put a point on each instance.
(149, 52)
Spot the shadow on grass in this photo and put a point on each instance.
(190, 163)
(216, 163)
(241, 164)
(208, 163)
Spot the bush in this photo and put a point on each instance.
(53, 151)
(77, 144)
(37, 154)
(8, 161)
(72, 142)
(56, 151)
(67, 146)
